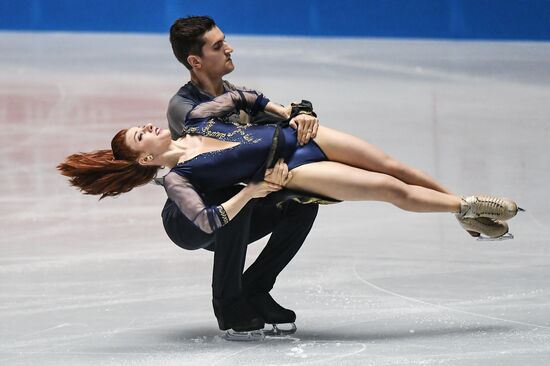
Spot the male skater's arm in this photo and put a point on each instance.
(178, 107)
(185, 110)
(229, 103)
(252, 102)
(302, 123)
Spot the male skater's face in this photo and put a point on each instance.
(216, 54)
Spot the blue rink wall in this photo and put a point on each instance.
(459, 19)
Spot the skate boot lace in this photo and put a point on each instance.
(489, 205)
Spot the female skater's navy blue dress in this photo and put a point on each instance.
(258, 146)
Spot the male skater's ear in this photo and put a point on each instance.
(194, 61)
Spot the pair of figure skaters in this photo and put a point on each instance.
(221, 136)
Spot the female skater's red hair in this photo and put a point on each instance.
(107, 172)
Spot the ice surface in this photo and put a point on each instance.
(98, 283)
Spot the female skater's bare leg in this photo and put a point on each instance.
(353, 151)
(343, 182)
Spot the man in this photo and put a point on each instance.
(241, 301)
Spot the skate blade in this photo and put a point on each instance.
(475, 234)
(249, 336)
(506, 236)
(277, 330)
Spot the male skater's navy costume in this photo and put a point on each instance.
(195, 220)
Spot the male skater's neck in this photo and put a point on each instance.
(211, 85)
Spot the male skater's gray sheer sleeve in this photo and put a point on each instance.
(178, 107)
(227, 103)
(261, 117)
(190, 203)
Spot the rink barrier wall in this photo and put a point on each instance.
(450, 19)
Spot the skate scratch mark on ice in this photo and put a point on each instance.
(52, 328)
(331, 358)
(45, 125)
(540, 223)
(281, 338)
(236, 353)
(395, 69)
(443, 306)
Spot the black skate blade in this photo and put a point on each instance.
(506, 236)
(281, 329)
(249, 336)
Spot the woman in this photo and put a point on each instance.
(215, 154)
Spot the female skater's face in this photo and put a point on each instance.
(148, 140)
(216, 54)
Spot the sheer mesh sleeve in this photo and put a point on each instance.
(230, 87)
(260, 117)
(248, 100)
(178, 108)
(190, 203)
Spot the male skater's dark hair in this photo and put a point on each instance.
(186, 36)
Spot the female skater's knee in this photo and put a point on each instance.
(394, 167)
(393, 190)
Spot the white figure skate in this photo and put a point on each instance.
(487, 206)
(485, 229)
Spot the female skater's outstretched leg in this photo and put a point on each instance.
(353, 151)
(343, 182)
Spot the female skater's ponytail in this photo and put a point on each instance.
(107, 172)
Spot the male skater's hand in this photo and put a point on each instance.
(279, 175)
(306, 127)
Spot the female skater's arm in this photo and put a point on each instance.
(274, 180)
(211, 218)
(253, 190)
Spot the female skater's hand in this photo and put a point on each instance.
(306, 127)
(279, 175)
(261, 189)
(253, 190)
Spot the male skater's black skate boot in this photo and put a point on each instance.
(274, 314)
(241, 321)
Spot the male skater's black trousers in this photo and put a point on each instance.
(289, 226)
